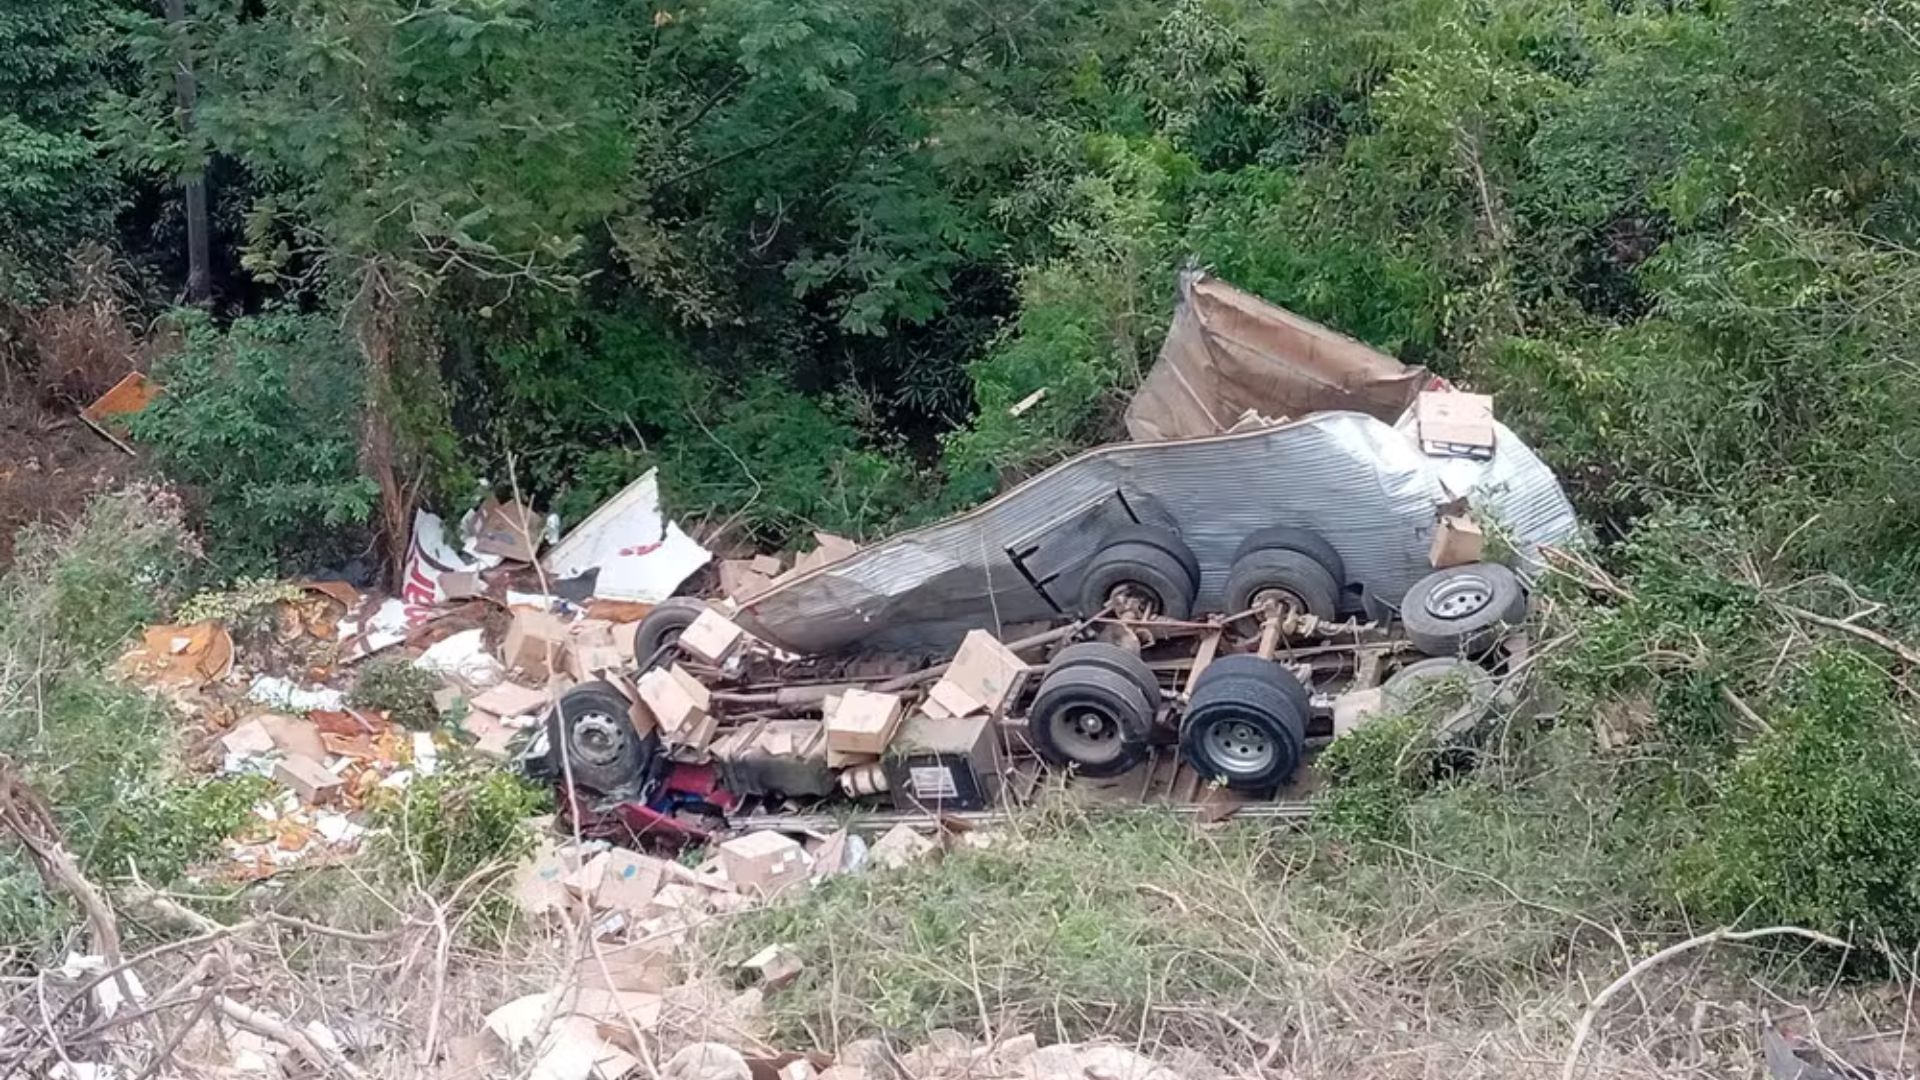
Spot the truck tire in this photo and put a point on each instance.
(1463, 610)
(1091, 719)
(662, 626)
(1304, 541)
(1160, 566)
(1459, 719)
(1243, 728)
(1294, 578)
(1113, 658)
(593, 727)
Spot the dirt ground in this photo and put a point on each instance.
(49, 465)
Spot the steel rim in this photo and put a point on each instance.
(1460, 597)
(1086, 734)
(1288, 601)
(1239, 746)
(597, 738)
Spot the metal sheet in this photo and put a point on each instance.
(1360, 483)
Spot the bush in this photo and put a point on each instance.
(1814, 823)
(80, 589)
(393, 684)
(263, 421)
(440, 829)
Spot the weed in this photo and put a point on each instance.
(245, 597)
(403, 691)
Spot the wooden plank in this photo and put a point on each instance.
(1209, 646)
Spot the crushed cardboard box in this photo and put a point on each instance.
(983, 677)
(863, 722)
(763, 863)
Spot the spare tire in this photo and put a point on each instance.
(1091, 719)
(1246, 726)
(593, 727)
(662, 626)
(1113, 658)
(1463, 610)
(1149, 568)
(1455, 722)
(1288, 538)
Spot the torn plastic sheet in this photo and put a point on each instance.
(1356, 481)
(284, 693)
(640, 555)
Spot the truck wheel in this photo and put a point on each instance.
(1459, 692)
(1158, 537)
(1091, 719)
(1304, 541)
(662, 626)
(1463, 610)
(1153, 571)
(1293, 580)
(1113, 658)
(1243, 728)
(593, 726)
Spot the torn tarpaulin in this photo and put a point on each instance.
(640, 555)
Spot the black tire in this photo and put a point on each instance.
(1143, 566)
(1457, 723)
(593, 727)
(662, 626)
(1243, 727)
(1304, 541)
(1158, 537)
(1113, 658)
(1304, 584)
(1463, 610)
(1090, 719)
(1249, 666)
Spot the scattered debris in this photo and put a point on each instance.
(639, 555)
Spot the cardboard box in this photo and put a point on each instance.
(248, 739)
(863, 722)
(539, 885)
(983, 677)
(511, 699)
(771, 968)
(508, 530)
(770, 565)
(536, 642)
(1456, 542)
(692, 740)
(308, 779)
(645, 967)
(676, 700)
(900, 846)
(618, 880)
(1455, 424)
(741, 581)
(294, 736)
(712, 637)
(765, 862)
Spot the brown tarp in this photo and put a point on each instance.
(1229, 352)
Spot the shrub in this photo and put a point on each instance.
(1374, 773)
(403, 691)
(443, 828)
(81, 588)
(263, 420)
(1814, 820)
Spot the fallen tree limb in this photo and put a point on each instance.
(1874, 637)
(1585, 1027)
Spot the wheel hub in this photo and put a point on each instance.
(1087, 735)
(1134, 600)
(1275, 600)
(1461, 597)
(597, 738)
(1240, 747)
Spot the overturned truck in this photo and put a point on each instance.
(1274, 539)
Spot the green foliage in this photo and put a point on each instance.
(53, 194)
(79, 590)
(395, 686)
(1812, 824)
(440, 829)
(1374, 773)
(262, 420)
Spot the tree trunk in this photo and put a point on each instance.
(378, 326)
(194, 185)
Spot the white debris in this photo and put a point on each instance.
(464, 656)
(108, 994)
(426, 756)
(337, 828)
(283, 693)
(641, 555)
